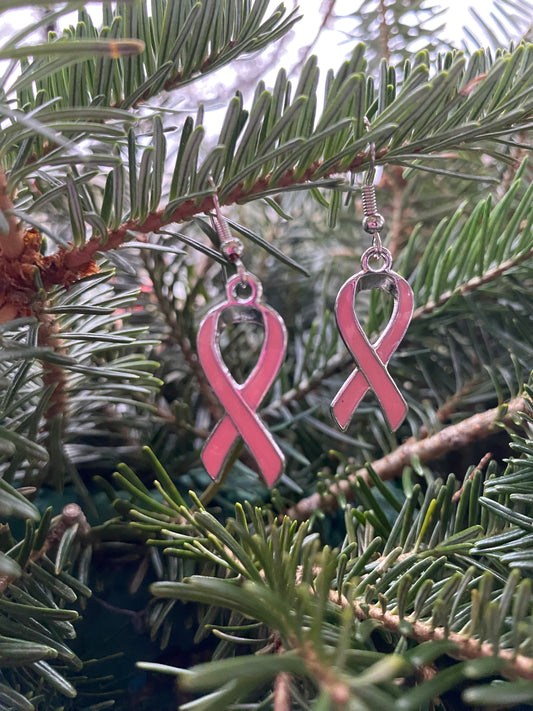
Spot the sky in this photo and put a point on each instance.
(330, 51)
(456, 15)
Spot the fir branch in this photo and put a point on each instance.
(54, 375)
(472, 429)
(68, 265)
(467, 647)
(474, 283)
(384, 35)
(74, 258)
(282, 693)
(71, 515)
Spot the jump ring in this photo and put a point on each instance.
(375, 253)
(244, 279)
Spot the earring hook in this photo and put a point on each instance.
(231, 247)
(369, 179)
(373, 221)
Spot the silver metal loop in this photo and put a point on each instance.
(244, 279)
(376, 254)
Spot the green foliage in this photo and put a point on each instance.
(508, 20)
(417, 594)
(432, 111)
(441, 563)
(37, 666)
(99, 357)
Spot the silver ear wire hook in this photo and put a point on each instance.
(231, 247)
(373, 221)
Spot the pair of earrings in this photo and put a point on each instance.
(244, 303)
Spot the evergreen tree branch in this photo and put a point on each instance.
(467, 647)
(179, 43)
(282, 693)
(474, 283)
(472, 429)
(71, 515)
(75, 257)
(384, 37)
(70, 264)
(294, 157)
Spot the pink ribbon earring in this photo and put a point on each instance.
(240, 401)
(372, 358)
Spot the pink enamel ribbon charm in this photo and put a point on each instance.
(240, 401)
(372, 358)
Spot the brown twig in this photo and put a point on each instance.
(473, 429)
(482, 464)
(68, 265)
(53, 375)
(467, 647)
(518, 154)
(71, 515)
(282, 693)
(397, 234)
(450, 405)
(384, 34)
(336, 364)
(474, 283)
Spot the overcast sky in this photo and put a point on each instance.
(456, 15)
(330, 49)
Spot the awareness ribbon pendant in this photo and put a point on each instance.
(372, 358)
(240, 401)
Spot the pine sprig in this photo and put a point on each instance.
(77, 348)
(294, 149)
(172, 45)
(427, 595)
(425, 579)
(36, 619)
